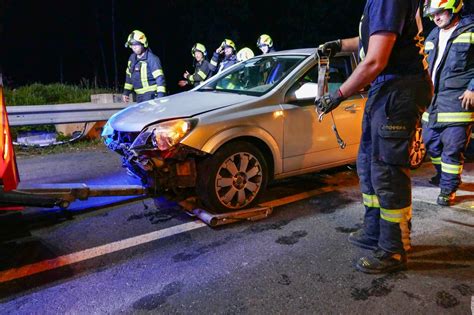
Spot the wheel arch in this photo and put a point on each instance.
(258, 137)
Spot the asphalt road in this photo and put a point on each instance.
(118, 256)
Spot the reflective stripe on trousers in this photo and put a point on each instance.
(374, 215)
(390, 119)
(446, 146)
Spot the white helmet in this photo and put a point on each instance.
(244, 54)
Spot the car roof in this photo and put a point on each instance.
(301, 51)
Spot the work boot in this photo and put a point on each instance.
(446, 198)
(435, 180)
(360, 239)
(382, 262)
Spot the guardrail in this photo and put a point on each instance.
(62, 113)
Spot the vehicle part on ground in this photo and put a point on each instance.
(252, 214)
(77, 135)
(233, 178)
(417, 150)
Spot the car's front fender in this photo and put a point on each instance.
(225, 136)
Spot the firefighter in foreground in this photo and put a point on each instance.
(201, 67)
(265, 44)
(144, 74)
(389, 48)
(227, 48)
(447, 123)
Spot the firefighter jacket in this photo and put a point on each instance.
(225, 63)
(454, 76)
(201, 72)
(144, 75)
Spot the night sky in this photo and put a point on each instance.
(71, 41)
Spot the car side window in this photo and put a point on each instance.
(339, 70)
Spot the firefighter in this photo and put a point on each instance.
(201, 67)
(245, 54)
(448, 120)
(392, 62)
(265, 44)
(144, 74)
(227, 48)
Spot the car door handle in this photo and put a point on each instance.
(351, 108)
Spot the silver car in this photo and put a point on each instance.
(222, 142)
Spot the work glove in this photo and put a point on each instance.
(328, 102)
(331, 48)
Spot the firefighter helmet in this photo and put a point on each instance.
(136, 37)
(200, 47)
(436, 6)
(264, 39)
(228, 43)
(244, 54)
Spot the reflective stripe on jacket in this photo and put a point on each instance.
(201, 72)
(454, 76)
(224, 64)
(144, 75)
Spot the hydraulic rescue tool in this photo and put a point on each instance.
(323, 78)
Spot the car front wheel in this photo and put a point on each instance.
(233, 178)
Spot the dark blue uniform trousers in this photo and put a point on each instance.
(390, 119)
(446, 146)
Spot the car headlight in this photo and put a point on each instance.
(166, 134)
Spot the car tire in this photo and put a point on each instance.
(417, 150)
(233, 178)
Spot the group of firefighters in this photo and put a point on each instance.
(145, 77)
(408, 80)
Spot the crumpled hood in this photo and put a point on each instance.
(186, 104)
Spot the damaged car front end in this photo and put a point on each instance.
(156, 156)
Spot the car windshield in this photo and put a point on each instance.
(255, 76)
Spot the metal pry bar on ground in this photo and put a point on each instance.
(252, 214)
(215, 219)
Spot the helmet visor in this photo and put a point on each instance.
(133, 42)
(430, 11)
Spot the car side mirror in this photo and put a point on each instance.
(307, 91)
